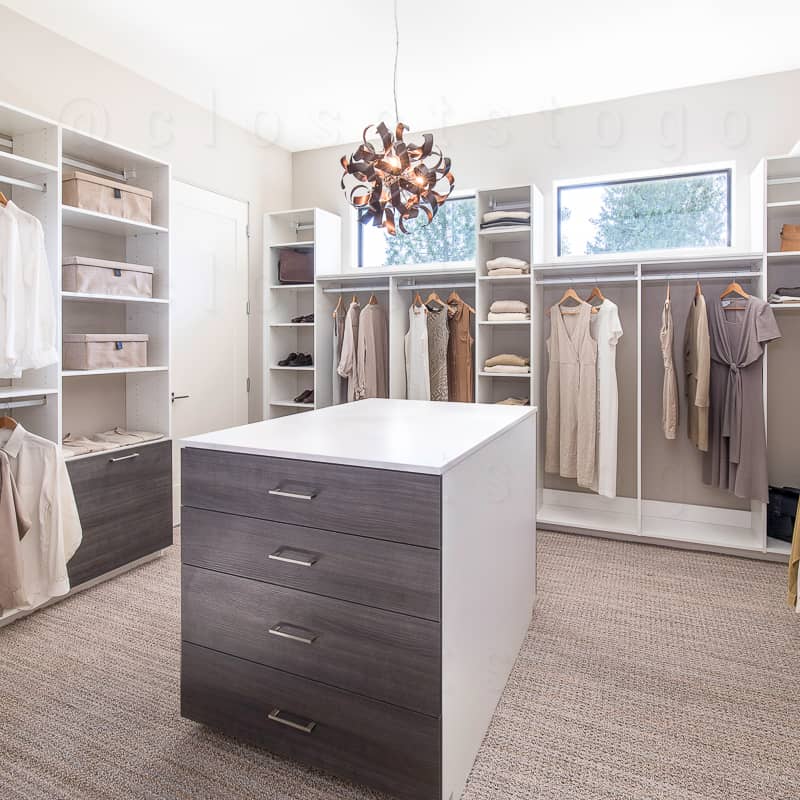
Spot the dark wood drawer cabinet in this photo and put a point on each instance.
(382, 504)
(390, 748)
(124, 501)
(395, 577)
(380, 654)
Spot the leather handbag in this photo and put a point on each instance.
(296, 266)
(781, 512)
(790, 238)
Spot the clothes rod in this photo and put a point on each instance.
(304, 226)
(410, 287)
(699, 276)
(118, 175)
(23, 403)
(593, 279)
(6, 142)
(36, 187)
(354, 289)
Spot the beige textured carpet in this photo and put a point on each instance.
(648, 674)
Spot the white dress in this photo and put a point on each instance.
(418, 376)
(606, 330)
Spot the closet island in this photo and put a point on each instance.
(357, 582)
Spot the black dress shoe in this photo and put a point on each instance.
(310, 398)
(303, 396)
(308, 318)
(284, 362)
(301, 360)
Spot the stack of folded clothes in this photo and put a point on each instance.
(784, 295)
(507, 363)
(504, 265)
(109, 440)
(508, 311)
(505, 219)
(514, 401)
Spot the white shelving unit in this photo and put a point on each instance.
(307, 229)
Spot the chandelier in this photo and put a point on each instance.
(396, 181)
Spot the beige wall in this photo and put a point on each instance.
(739, 121)
(52, 76)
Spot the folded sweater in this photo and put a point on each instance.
(509, 316)
(507, 261)
(508, 307)
(514, 401)
(504, 369)
(508, 360)
(515, 216)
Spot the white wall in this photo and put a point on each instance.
(52, 76)
(739, 121)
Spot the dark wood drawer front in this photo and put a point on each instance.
(395, 577)
(364, 740)
(396, 506)
(375, 653)
(125, 508)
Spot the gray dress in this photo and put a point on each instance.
(737, 444)
(438, 334)
(339, 394)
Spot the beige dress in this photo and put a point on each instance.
(372, 353)
(571, 396)
(669, 391)
(348, 365)
(14, 524)
(697, 369)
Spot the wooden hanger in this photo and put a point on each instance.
(373, 301)
(434, 298)
(355, 299)
(571, 294)
(595, 293)
(455, 298)
(668, 291)
(735, 288)
(3, 200)
(338, 307)
(8, 423)
(698, 289)
(418, 300)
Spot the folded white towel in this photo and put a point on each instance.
(504, 368)
(521, 216)
(509, 307)
(508, 316)
(507, 261)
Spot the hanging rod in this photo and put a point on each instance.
(304, 226)
(6, 142)
(24, 403)
(36, 187)
(410, 287)
(697, 276)
(354, 289)
(119, 175)
(593, 279)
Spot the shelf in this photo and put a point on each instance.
(510, 233)
(292, 369)
(290, 245)
(782, 181)
(292, 404)
(785, 306)
(778, 546)
(701, 532)
(506, 278)
(80, 297)
(524, 375)
(784, 204)
(292, 286)
(106, 223)
(590, 519)
(77, 373)
(291, 324)
(112, 452)
(13, 392)
(786, 255)
(12, 166)
(509, 322)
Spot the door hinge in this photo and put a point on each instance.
(248, 308)
(248, 384)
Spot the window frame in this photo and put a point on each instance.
(467, 194)
(646, 176)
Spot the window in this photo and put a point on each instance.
(658, 213)
(449, 238)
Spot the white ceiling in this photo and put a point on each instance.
(313, 73)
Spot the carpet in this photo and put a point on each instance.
(647, 674)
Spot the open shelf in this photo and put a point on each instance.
(292, 286)
(291, 245)
(701, 532)
(778, 546)
(76, 373)
(506, 278)
(291, 324)
(503, 322)
(80, 297)
(784, 204)
(524, 375)
(292, 404)
(13, 166)
(785, 306)
(13, 392)
(588, 519)
(276, 368)
(106, 223)
(786, 255)
(511, 233)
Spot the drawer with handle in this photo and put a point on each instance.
(387, 575)
(396, 506)
(367, 741)
(376, 653)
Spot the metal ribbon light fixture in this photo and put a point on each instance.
(397, 181)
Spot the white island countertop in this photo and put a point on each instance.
(404, 435)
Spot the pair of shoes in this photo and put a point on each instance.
(303, 318)
(306, 397)
(296, 360)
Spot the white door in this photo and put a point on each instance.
(209, 316)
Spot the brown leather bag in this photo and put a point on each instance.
(790, 238)
(296, 266)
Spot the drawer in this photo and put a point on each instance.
(396, 506)
(376, 653)
(395, 577)
(364, 740)
(125, 507)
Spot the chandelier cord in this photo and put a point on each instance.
(396, 55)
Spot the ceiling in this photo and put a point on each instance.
(314, 73)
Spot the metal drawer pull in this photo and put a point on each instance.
(304, 727)
(278, 492)
(123, 458)
(279, 630)
(309, 561)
